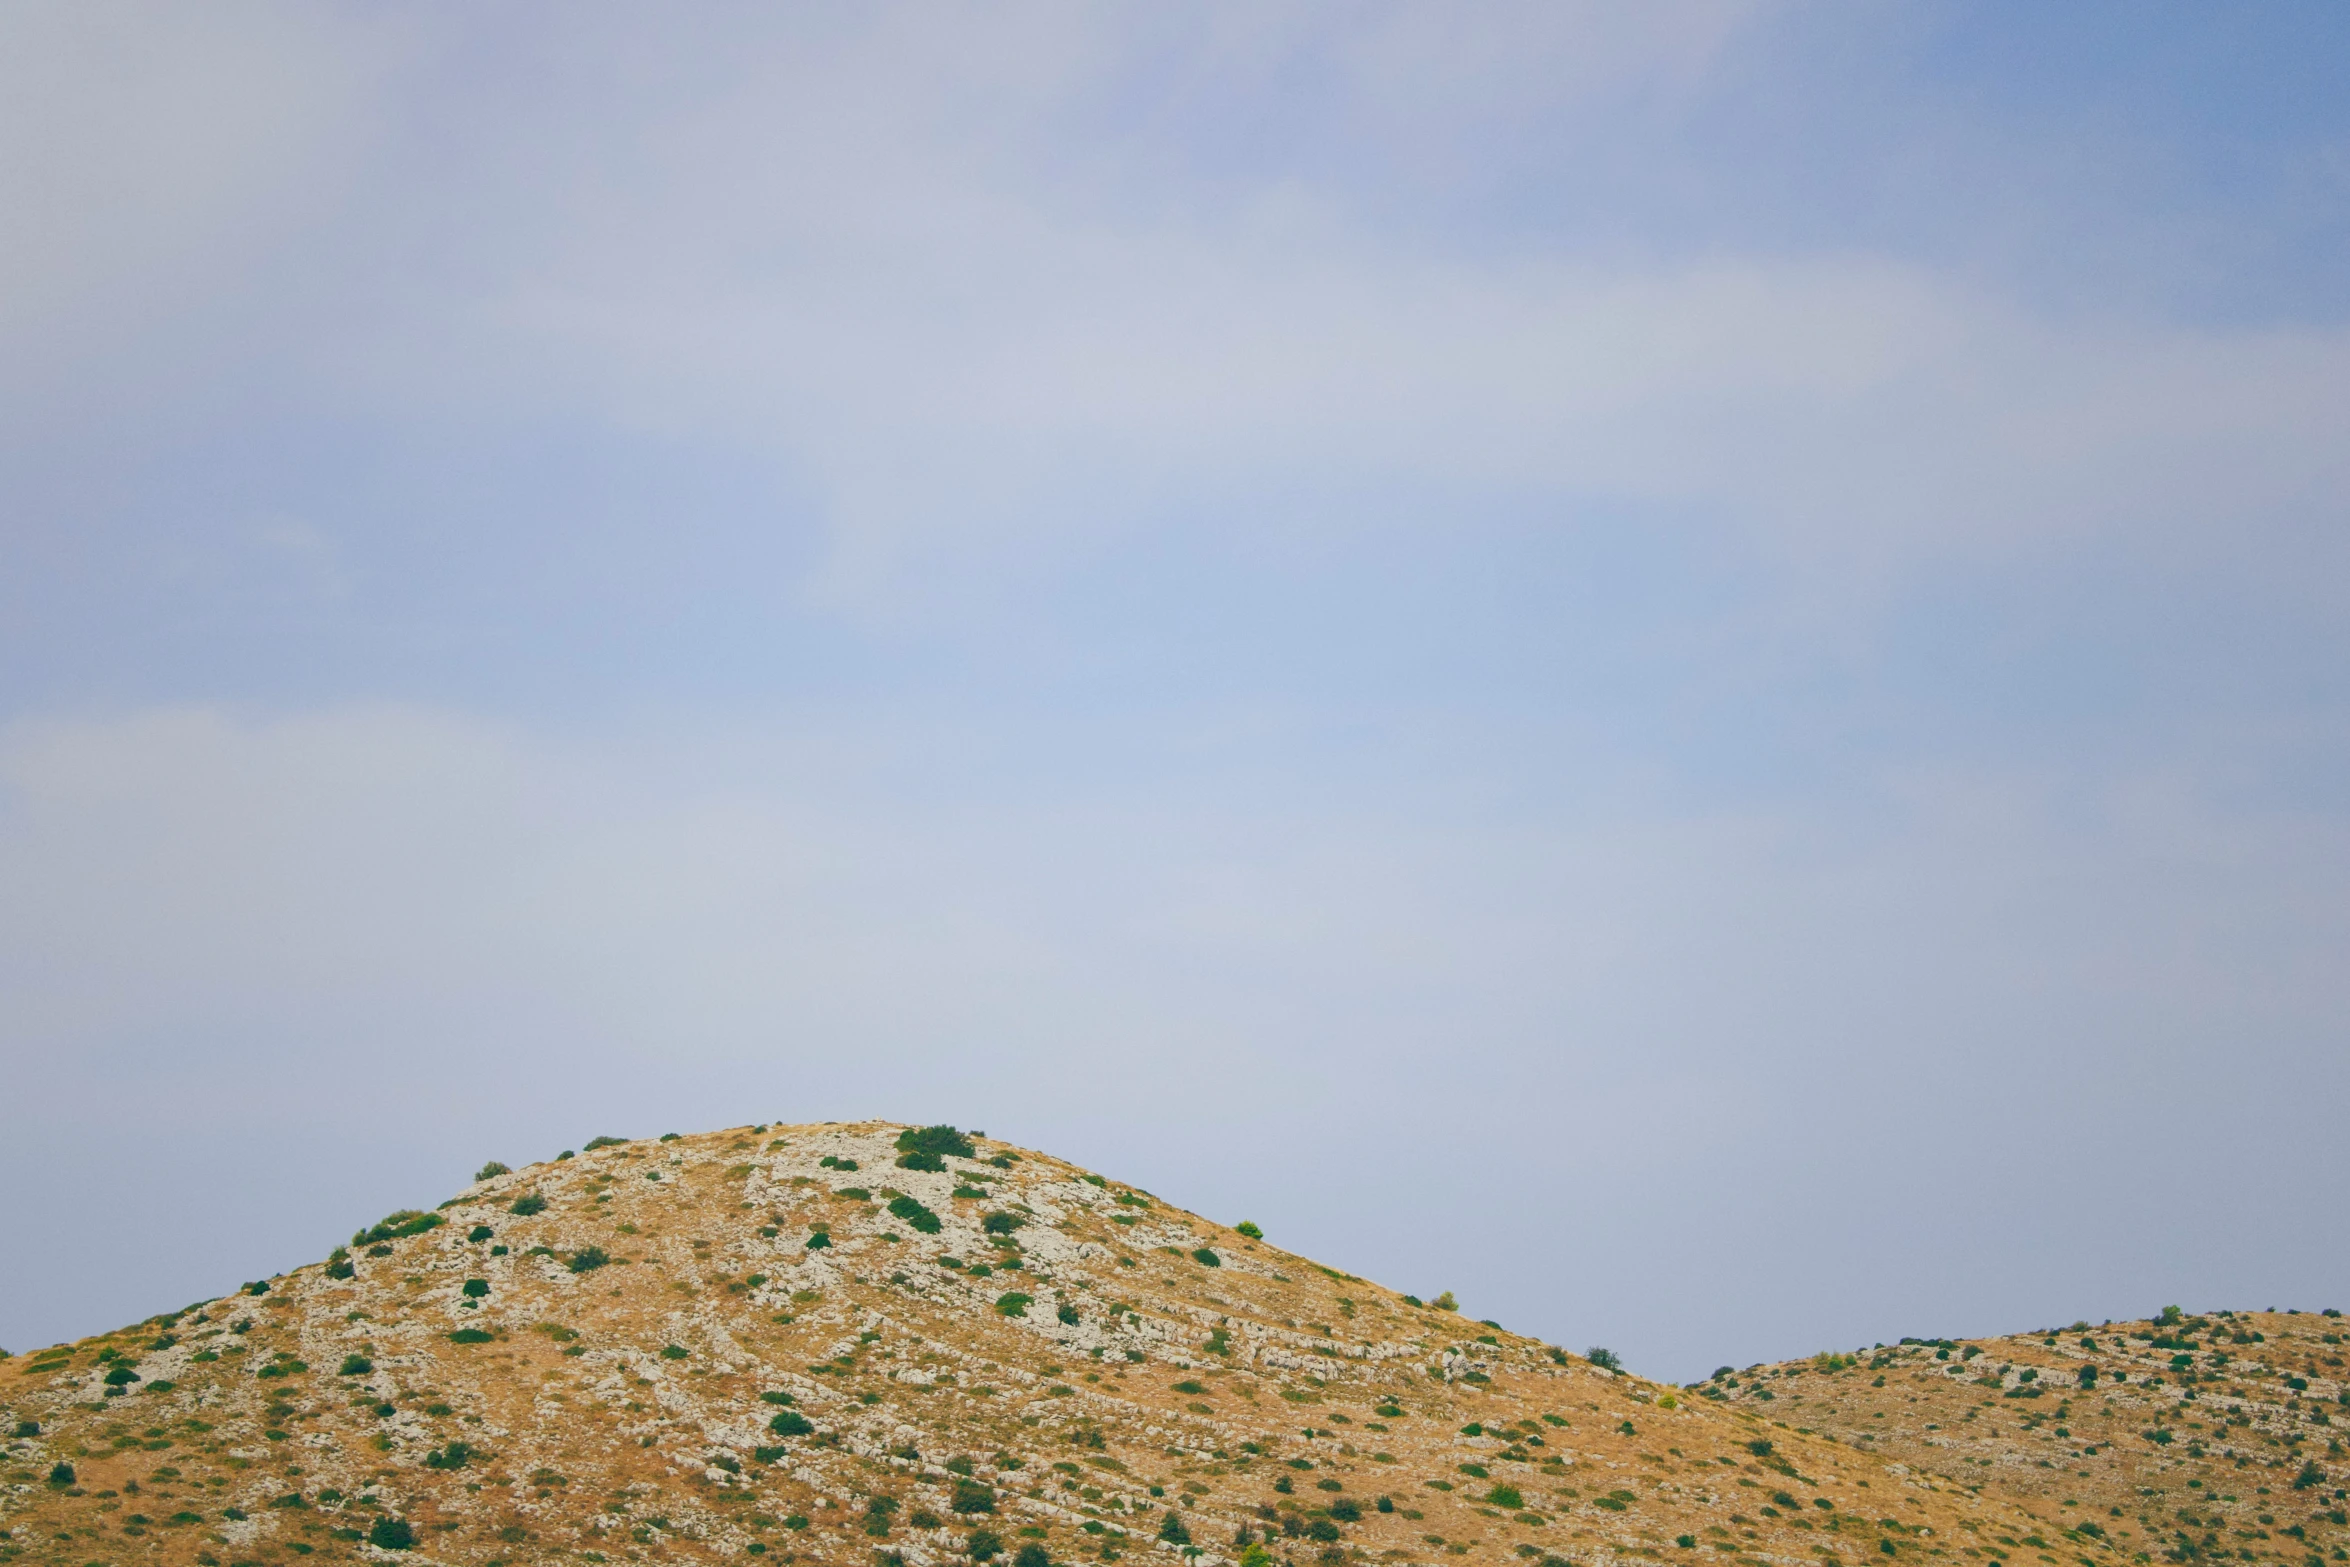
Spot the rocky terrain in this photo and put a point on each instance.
(2182, 1438)
(878, 1345)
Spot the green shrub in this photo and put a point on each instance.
(769, 1455)
(1013, 1304)
(595, 1143)
(1206, 1258)
(828, 1162)
(587, 1259)
(396, 1226)
(984, 1545)
(971, 1497)
(1506, 1496)
(61, 1475)
(1190, 1387)
(790, 1423)
(670, 1137)
(675, 1352)
(1604, 1359)
(774, 1396)
(454, 1456)
(819, 1241)
(937, 1140)
(478, 1234)
(490, 1170)
(1171, 1529)
(914, 1214)
(1347, 1510)
(527, 1204)
(391, 1534)
(922, 1161)
(121, 1376)
(1322, 1529)
(1000, 1223)
(1248, 1228)
(28, 1428)
(1067, 1313)
(470, 1336)
(356, 1366)
(475, 1289)
(2309, 1476)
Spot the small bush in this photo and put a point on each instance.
(774, 1396)
(1445, 1302)
(1347, 1510)
(675, 1352)
(587, 1259)
(819, 1241)
(454, 1456)
(790, 1423)
(1013, 1304)
(929, 1162)
(1001, 1223)
(595, 1143)
(492, 1170)
(1171, 1529)
(1206, 1258)
(1190, 1387)
(527, 1204)
(971, 1497)
(61, 1475)
(356, 1366)
(1248, 1228)
(475, 1289)
(1604, 1359)
(470, 1336)
(28, 1428)
(396, 1226)
(2310, 1476)
(916, 1216)
(984, 1545)
(391, 1534)
(1506, 1496)
(1067, 1313)
(769, 1455)
(670, 1137)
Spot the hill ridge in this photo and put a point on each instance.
(868, 1342)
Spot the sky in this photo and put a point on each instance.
(1681, 668)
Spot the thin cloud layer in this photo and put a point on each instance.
(1716, 626)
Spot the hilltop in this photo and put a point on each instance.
(2181, 1436)
(871, 1343)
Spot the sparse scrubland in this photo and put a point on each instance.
(710, 1347)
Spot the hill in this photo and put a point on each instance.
(2184, 1437)
(861, 1343)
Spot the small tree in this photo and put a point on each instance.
(490, 1170)
(1604, 1359)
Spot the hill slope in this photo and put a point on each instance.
(780, 1342)
(2187, 1437)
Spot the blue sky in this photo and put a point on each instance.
(1676, 667)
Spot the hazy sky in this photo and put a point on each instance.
(1682, 668)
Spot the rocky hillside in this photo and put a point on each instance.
(868, 1344)
(2182, 1437)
